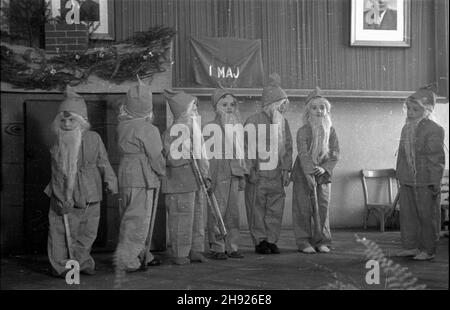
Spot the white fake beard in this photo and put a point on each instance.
(230, 137)
(66, 156)
(278, 118)
(321, 127)
(229, 118)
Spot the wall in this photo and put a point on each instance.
(368, 133)
(305, 41)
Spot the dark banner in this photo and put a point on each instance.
(229, 61)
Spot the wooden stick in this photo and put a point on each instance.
(317, 226)
(148, 243)
(68, 237)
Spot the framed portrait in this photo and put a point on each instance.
(98, 14)
(380, 23)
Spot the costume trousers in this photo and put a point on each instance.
(135, 210)
(83, 226)
(264, 203)
(419, 218)
(186, 222)
(302, 215)
(226, 193)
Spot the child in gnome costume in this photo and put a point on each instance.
(141, 166)
(185, 201)
(79, 160)
(420, 168)
(264, 191)
(228, 177)
(318, 151)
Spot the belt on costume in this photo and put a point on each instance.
(134, 155)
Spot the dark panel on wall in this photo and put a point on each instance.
(25, 140)
(306, 41)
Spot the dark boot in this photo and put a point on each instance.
(262, 248)
(273, 248)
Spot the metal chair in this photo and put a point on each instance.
(379, 210)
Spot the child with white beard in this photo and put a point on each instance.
(227, 174)
(79, 160)
(318, 151)
(420, 168)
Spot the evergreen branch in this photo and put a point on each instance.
(400, 277)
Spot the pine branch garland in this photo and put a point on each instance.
(144, 54)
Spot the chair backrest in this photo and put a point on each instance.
(388, 174)
(445, 189)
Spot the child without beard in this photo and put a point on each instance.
(264, 190)
(185, 202)
(318, 151)
(420, 167)
(79, 159)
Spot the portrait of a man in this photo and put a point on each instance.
(90, 10)
(380, 15)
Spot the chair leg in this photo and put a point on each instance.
(366, 215)
(382, 221)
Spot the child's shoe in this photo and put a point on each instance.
(408, 252)
(323, 249)
(217, 255)
(272, 247)
(235, 254)
(423, 256)
(55, 274)
(181, 261)
(308, 250)
(262, 248)
(154, 262)
(197, 257)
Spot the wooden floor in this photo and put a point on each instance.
(289, 270)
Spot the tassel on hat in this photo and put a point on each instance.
(139, 100)
(316, 93)
(273, 91)
(179, 102)
(73, 103)
(425, 96)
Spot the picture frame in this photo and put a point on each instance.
(100, 11)
(380, 23)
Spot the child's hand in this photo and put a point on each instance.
(109, 190)
(67, 206)
(241, 185)
(318, 171)
(208, 185)
(436, 190)
(252, 177)
(286, 179)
